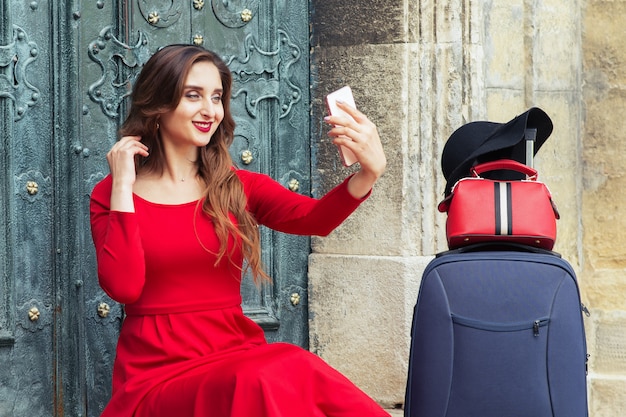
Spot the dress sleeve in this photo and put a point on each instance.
(283, 210)
(119, 252)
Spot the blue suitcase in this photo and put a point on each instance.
(497, 333)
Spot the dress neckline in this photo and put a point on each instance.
(153, 203)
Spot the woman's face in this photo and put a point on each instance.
(200, 110)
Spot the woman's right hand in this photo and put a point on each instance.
(121, 159)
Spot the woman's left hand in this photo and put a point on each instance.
(359, 135)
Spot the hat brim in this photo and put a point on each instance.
(504, 140)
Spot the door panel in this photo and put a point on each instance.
(106, 62)
(267, 91)
(66, 70)
(270, 104)
(27, 291)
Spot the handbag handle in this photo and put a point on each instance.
(507, 164)
(499, 164)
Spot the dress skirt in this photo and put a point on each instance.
(165, 367)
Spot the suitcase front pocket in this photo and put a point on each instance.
(535, 325)
(506, 364)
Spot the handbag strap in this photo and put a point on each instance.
(507, 164)
(444, 204)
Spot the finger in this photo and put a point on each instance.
(131, 141)
(130, 138)
(356, 132)
(352, 111)
(130, 144)
(365, 141)
(123, 154)
(341, 130)
(347, 142)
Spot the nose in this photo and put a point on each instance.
(208, 108)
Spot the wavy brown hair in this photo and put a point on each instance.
(158, 90)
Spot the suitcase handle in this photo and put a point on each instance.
(507, 164)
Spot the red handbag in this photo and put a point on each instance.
(486, 210)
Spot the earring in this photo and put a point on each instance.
(158, 125)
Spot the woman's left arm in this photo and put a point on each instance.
(280, 209)
(275, 206)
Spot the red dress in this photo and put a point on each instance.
(185, 348)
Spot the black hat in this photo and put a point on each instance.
(484, 141)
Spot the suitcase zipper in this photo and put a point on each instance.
(585, 310)
(501, 327)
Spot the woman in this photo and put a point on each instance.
(173, 224)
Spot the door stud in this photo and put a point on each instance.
(32, 187)
(246, 157)
(103, 310)
(198, 40)
(294, 185)
(246, 15)
(33, 314)
(295, 299)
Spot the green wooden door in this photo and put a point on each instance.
(66, 69)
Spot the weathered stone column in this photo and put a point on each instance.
(603, 218)
(412, 67)
(420, 70)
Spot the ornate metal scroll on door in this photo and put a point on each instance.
(14, 84)
(119, 64)
(262, 74)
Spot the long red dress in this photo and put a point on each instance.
(185, 348)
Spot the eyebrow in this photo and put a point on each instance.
(197, 87)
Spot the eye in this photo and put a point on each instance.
(216, 98)
(192, 95)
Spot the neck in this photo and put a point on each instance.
(193, 172)
(181, 165)
(181, 173)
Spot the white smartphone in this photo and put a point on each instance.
(343, 94)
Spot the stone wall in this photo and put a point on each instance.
(603, 245)
(420, 70)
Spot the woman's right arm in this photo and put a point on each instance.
(119, 252)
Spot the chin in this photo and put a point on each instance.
(203, 141)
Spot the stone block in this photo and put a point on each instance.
(354, 22)
(360, 312)
(400, 216)
(607, 397)
(554, 31)
(609, 342)
(504, 47)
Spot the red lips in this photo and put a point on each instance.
(203, 126)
